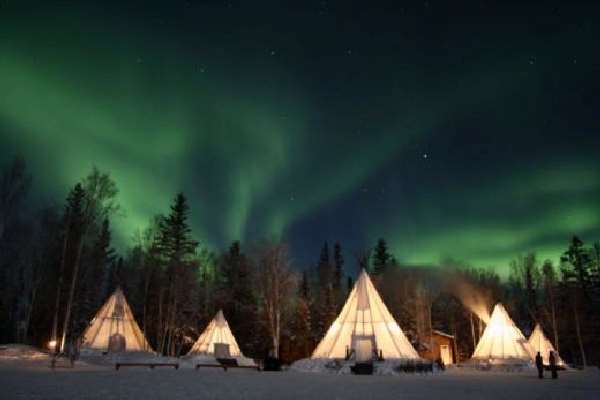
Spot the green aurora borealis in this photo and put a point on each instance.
(478, 147)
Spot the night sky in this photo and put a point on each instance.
(469, 131)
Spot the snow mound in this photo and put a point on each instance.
(21, 351)
(392, 366)
(109, 359)
(206, 359)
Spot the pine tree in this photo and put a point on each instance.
(327, 306)
(304, 287)
(550, 300)
(338, 261)
(72, 221)
(176, 248)
(90, 293)
(381, 257)
(237, 296)
(575, 268)
(301, 325)
(324, 267)
(349, 284)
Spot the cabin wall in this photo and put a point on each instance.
(435, 353)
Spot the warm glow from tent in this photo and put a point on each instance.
(217, 332)
(365, 317)
(115, 319)
(502, 340)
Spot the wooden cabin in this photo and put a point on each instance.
(444, 348)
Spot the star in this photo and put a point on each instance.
(425, 155)
(272, 52)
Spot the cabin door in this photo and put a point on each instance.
(445, 354)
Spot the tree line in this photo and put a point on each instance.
(58, 265)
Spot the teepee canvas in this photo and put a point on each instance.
(502, 341)
(217, 340)
(538, 342)
(366, 327)
(114, 329)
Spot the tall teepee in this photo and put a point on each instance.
(539, 342)
(502, 341)
(365, 325)
(216, 335)
(114, 328)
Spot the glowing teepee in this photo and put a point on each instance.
(216, 335)
(538, 342)
(502, 341)
(365, 326)
(114, 329)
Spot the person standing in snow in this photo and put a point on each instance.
(539, 363)
(553, 366)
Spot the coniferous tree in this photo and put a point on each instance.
(14, 186)
(90, 293)
(338, 260)
(349, 285)
(576, 282)
(550, 300)
(301, 325)
(99, 202)
(72, 235)
(381, 257)
(326, 306)
(238, 299)
(324, 267)
(176, 248)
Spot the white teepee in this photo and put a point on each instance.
(502, 341)
(114, 329)
(216, 335)
(538, 342)
(365, 325)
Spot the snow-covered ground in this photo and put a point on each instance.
(26, 375)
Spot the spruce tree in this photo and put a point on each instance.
(575, 268)
(238, 299)
(324, 267)
(338, 260)
(301, 324)
(176, 248)
(381, 257)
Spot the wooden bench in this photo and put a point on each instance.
(151, 365)
(198, 366)
(232, 363)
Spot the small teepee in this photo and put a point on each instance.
(538, 342)
(217, 340)
(502, 342)
(114, 329)
(366, 327)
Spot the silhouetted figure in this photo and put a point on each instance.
(539, 363)
(553, 367)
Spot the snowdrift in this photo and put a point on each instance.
(391, 366)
